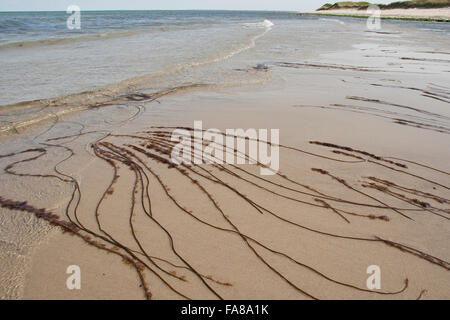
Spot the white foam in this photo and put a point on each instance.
(263, 24)
(268, 23)
(333, 20)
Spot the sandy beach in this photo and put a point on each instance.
(364, 176)
(413, 13)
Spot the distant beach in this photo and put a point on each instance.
(434, 14)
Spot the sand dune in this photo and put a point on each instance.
(441, 13)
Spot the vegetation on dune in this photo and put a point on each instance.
(393, 5)
(416, 4)
(363, 16)
(344, 5)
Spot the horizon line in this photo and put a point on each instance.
(98, 10)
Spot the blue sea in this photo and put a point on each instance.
(41, 58)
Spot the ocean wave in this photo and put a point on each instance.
(332, 20)
(99, 36)
(43, 42)
(267, 24)
(234, 41)
(5, 24)
(263, 24)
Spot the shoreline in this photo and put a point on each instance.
(432, 15)
(363, 179)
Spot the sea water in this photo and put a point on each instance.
(41, 58)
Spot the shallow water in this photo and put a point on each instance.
(41, 58)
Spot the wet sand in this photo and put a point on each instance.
(364, 180)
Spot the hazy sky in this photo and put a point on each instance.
(61, 5)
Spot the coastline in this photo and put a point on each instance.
(436, 15)
(365, 180)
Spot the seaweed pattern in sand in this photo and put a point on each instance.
(145, 156)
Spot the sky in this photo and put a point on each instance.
(61, 5)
